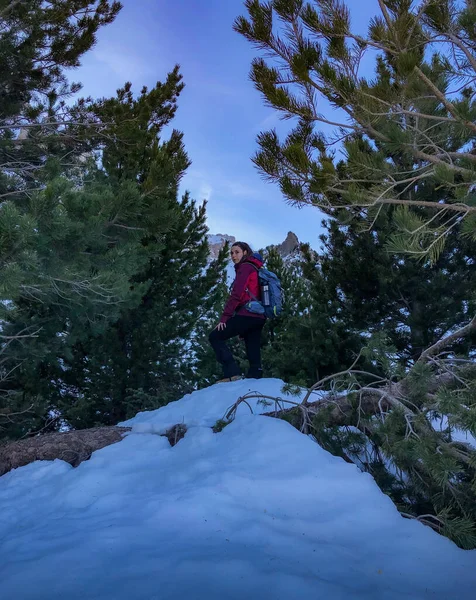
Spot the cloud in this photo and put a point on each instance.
(122, 63)
(225, 216)
(205, 192)
(248, 230)
(204, 183)
(236, 188)
(269, 122)
(254, 214)
(198, 184)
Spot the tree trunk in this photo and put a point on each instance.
(72, 446)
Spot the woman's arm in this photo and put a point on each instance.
(239, 286)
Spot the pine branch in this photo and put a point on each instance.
(386, 15)
(464, 49)
(10, 7)
(448, 340)
(417, 20)
(442, 98)
(324, 380)
(456, 207)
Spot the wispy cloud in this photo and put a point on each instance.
(203, 184)
(237, 188)
(268, 122)
(245, 229)
(198, 184)
(205, 192)
(122, 63)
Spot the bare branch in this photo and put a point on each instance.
(443, 99)
(10, 7)
(448, 340)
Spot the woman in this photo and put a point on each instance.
(236, 319)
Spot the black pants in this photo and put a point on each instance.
(250, 329)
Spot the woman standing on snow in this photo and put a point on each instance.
(236, 319)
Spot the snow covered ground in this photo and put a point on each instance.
(257, 511)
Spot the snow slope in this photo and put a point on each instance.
(257, 511)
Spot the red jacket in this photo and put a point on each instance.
(246, 283)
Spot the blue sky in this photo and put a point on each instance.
(219, 112)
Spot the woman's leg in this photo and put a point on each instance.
(253, 349)
(223, 353)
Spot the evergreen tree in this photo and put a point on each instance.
(50, 258)
(405, 183)
(145, 358)
(308, 341)
(102, 266)
(407, 134)
(205, 368)
(411, 304)
(78, 280)
(38, 41)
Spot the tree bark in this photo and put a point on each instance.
(341, 410)
(73, 447)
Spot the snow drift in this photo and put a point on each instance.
(255, 511)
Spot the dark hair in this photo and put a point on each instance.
(244, 246)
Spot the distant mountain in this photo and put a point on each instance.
(216, 243)
(290, 247)
(289, 250)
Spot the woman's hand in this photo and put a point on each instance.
(221, 325)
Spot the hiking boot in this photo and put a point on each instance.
(228, 379)
(254, 373)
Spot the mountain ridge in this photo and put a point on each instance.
(289, 247)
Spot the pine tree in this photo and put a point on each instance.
(407, 134)
(145, 359)
(102, 265)
(52, 268)
(379, 292)
(205, 368)
(308, 341)
(405, 181)
(78, 280)
(38, 41)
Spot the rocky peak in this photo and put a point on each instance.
(216, 243)
(289, 246)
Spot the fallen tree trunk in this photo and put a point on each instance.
(73, 447)
(341, 408)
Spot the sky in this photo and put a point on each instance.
(219, 111)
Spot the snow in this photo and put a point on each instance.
(216, 239)
(220, 238)
(257, 511)
(205, 407)
(466, 437)
(457, 435)
(230, 272)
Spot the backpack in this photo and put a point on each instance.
(271, 294)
